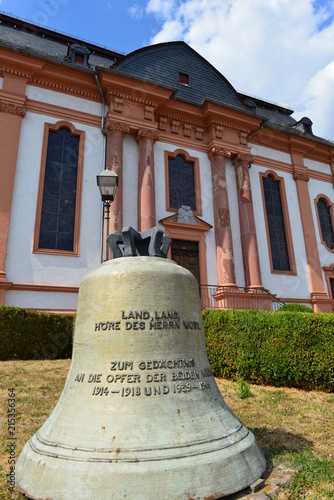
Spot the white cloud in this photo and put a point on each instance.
(318, 102)
(136, 11)
(280, 50)
(162, 8)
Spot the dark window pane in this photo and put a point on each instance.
(65, 242)
(51, 187)
(276, 226)
(181, 183)
(52, 170)
(50, 204)
(326, 225)
(65, 224)
(69, 174)
(284, 263)
(270, 208)
(279, 223)
(49, 223)
(278, 211)
(56, 139)
(54, 155)
(280, 235)
(79, 58)
(68, 189)
(47, 239)
(73, 143)
(276, 197)
(67, 206)
(59, 195)
(184, 78)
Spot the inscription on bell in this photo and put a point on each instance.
(148, 372)
(136, 315)
(148, 315)
(145, 319)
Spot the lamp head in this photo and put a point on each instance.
(107, 182)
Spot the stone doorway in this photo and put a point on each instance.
(186, 254)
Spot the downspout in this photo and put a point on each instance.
(103, 161)
(256, 131)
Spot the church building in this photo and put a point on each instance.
(244, 190)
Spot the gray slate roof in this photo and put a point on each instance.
(49, 44)
(162, 64)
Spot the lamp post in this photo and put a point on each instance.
(107, 182)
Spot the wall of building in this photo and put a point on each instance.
(283, 285)
(206, 197)
(317, 188)
(22, 265)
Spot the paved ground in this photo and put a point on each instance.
(266, 487)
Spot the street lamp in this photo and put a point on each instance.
(107, 182)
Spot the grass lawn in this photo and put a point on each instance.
(295, 428)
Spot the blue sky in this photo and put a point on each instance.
(278, 50)
(120, 25)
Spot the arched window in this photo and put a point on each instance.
(182, 182)
(277, 222)
(57, 214)
(325, 222)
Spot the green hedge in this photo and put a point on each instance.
(286, 349)
(28, 334)
(295, 308)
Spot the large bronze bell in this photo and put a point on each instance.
(140, 416)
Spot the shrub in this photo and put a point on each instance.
(28, 334)
(287, 349)
(295, 308)
(243, 389)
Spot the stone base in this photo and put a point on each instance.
(233, 298)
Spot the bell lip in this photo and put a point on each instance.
(203, 475)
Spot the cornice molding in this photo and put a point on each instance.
(171, 221)
(42, 288)
(19, 71)
(299, 150)
(112, 94)
(228, 123)
(269, 141)
(170, 117)
(321, 153)
(65, 86)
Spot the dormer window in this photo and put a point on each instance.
(79, 58)
(184, 79)
(307, 128)
(78, 54)
(304, 125)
